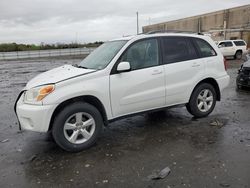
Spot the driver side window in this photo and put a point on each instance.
(142, 54)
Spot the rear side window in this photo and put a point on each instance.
(239, 43)
(176, 49)
(204, 48)
(226, 44)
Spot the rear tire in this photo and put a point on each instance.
(238, 55)
(77, 126)
(202, 100)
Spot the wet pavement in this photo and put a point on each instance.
(207, 152)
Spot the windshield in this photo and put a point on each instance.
(102, 56)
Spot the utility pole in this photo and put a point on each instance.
(137, 22)
(149, 21)
(225, 23)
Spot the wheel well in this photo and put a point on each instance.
(88, 99)
(238, 51)
(213, 83)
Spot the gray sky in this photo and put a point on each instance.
(51, 21)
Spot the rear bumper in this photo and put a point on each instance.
(33, 117)
(223, 82)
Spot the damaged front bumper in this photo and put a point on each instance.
(33, 117)
(243, 80)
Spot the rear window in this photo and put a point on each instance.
(239, 43)
(204, 48)
(176, 49)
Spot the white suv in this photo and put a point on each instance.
(233, 48)
(123, 77)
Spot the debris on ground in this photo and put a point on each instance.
(224, 185)
(87, 165)
(160, 175)
(32, 158)
(105, 181)
(6, 140)
(216, 123)
(107, 154)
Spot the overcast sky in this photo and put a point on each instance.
(51, 21)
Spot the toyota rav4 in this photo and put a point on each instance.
(123, 77)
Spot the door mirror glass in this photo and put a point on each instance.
(123, 66)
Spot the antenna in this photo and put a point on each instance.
(137, 23)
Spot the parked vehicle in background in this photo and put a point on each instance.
(233, 48)
(243, 78)
(120, 78)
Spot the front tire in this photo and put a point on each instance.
(202, 100)
(77, 126)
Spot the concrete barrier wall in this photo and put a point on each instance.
(44, 53)
(237, 17)
(233, 23)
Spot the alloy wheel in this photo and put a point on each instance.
(79, 128)
(205, 100)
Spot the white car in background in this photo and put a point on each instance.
(121, 78)
(233, 48)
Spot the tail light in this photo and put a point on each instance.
(225, 63)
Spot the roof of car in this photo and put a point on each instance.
(231, 40)
(140, 36)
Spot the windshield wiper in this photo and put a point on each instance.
(79, 66)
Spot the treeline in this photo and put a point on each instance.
(10, 47)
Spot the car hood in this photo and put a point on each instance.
(247, 64)
(56, 75)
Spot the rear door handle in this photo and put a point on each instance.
(155, 72)
(196, 65)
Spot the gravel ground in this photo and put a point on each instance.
(208, 152)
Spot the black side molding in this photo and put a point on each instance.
(20, 94)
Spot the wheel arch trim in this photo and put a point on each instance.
(85, 98)
(211, 81)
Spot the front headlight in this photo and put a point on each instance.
(38, 93)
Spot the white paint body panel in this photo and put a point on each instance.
(56, 75)
(180, 79)
(137, 90)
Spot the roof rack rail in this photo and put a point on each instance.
(173, 31)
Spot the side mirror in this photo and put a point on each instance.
(219, 46)
(123, 66)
